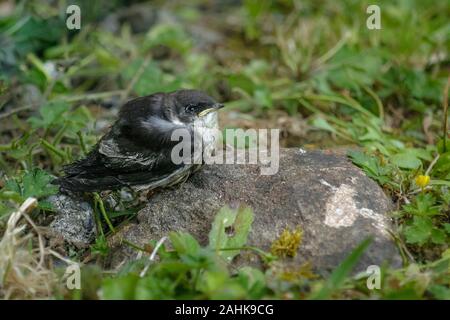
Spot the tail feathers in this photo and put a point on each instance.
(88, 182)
(78, 184)
(91, 164)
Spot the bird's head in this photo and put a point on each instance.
(190, 105)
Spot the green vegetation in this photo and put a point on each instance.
(381, 93)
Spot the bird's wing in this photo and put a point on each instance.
(109, 167)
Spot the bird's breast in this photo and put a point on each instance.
(207, 127)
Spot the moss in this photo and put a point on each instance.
(287, 244)
(295, 273)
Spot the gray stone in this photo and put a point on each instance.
(333, 201)
(74, 220)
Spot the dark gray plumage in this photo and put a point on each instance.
(136, 152)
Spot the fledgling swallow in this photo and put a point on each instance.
(136, 152)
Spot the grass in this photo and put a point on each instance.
(383, 91)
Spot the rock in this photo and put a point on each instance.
(333, 201)
(74, 220)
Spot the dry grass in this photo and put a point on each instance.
(24, 273)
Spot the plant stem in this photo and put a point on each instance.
(445, 104)
(82, 144)
(47, 145)
(99, 200)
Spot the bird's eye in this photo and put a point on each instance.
(190, 108)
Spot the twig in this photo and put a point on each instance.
(330, 53)
(427, 173)
(40, 240)
(14, 111)
(152, 256)
(90, 96)
(60, 257)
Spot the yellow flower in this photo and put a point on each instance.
(422, 181)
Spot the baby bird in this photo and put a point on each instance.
(136, 152)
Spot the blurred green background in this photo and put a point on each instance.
(311, 68)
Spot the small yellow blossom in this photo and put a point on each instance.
(422, 181)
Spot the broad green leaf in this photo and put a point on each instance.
(230, 230)
(321, 123)
(440, 182)
(371, 166)
(35, 183)
(438, 236)
(447, 227)
(253, 280)
(212, 281)
(442, 166)
(152, 79)
(184, 243)
(406, 161)
(423, 205)
(420, 230)
(263, 97)
(50, 114)
(120, 288)
(440, 292)
(169, 35)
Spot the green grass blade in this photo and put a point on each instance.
(339, 275)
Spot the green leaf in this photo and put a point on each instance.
(120, 288)
(421, 153)
(253, 280)
(371, 166)
(169, 35)
(263, 97)
(440, 145)
(184, 243)
(152, 79)
(50, 114)
(321, 123)
(447, 227)
(406, 160)
(440, 183)
(77, 119)
(442, 166)
(35, 183)
(420, 230)
(339, 275)
(212, 281)
(440, 292)
(423, 205)
(438, 236)
(230, 230)
(33, 34)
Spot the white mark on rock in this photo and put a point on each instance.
(327, 184)
(301, 151)
(341, 209)
(379, 221)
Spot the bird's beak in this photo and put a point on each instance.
(212, 108)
